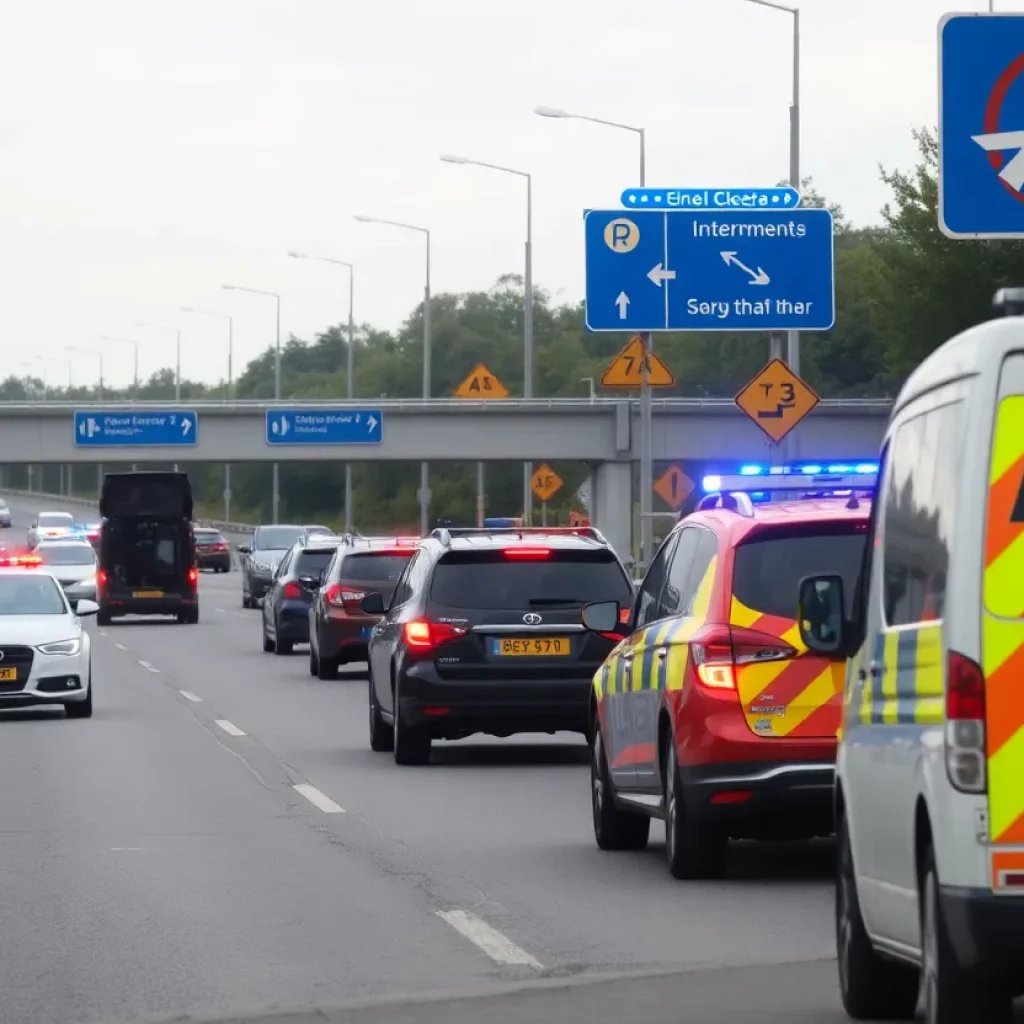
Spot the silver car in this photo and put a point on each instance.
(73, 565)
(5, 514)
(50, 526)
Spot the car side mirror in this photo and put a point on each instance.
(244, 549)
(820, 614)
(602, 617)
(373, 604)
(85, 607)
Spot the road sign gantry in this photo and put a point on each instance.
(681, 270)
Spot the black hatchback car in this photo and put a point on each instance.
(296, 579)
(483, 635)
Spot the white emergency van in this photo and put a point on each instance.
(930, 779)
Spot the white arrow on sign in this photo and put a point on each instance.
(280, 426)
(186, 426)
(657, 275)
(999, 142)
(623, 303)
(758, 277)
(371, 422)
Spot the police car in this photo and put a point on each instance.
(712, 715)
(930, 788)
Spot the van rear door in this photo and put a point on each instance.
(156, 495)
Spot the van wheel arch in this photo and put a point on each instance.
(922, 843)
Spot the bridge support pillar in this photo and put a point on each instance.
(612, 504)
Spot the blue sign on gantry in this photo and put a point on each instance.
(149, 429)
(981, 125)
(682, 270)
(325, 426)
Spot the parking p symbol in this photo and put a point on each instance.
(621, 235)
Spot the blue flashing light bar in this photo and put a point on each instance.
(759, 478)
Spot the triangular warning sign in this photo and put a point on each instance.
(481, 383)
(627, 370)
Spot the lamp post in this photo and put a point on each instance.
(135, 345)
(176, 331)
(275, 497)
(646, 428)
(527, 302)
(424, 492)
(350, 363)
(229, 389)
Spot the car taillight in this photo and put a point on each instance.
(344, 597)
(291, 590)
(528, 554)
(965, 724)
(101, 578)
(716, 651)
(424, 635)
(220, 547)
(193, 577)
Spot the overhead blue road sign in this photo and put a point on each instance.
(981, 125)
(149, 429)
(781, 198)
(725, 271)
(325, 426)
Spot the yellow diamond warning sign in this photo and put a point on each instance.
(481, 383)
(546, 483)
(777, 399)
(673, 487)
(627, 370)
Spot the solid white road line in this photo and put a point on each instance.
(121, 647)
(318, 799)
(189, 695)
(229, 727)
(149, 668)
(487, 939)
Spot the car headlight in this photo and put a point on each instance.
(66, 647)
(262, 566)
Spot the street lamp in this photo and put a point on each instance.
(231, 341)
(527, 297)
(424, 494)
(646, 427)
(350, 365)
(135, 344)
(275, 497)
(792, 337)
(177, 354)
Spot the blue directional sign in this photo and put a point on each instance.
(981, 125)
(128, 429)
(325, 426)
(780, 198)
(724, 271)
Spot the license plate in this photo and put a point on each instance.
(531, 647)
(8, 675)
(148, 593)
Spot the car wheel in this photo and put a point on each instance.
(951, 994)
(328, 668)
(871, 987)
(382, 737)
(614, 829)
(81, 708)
(281, 646)
(268, 644)
(694, 848)
(411, 742)
(102, 618)
(314, 661)
(246, 600)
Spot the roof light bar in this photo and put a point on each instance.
(760, 478)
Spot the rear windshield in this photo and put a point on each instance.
(24, 595)
(312, 563)
(67, 554)
(208, 537)
(276, 538)
(490, 580)
(374, 568)
(56, 519)
(767, 571)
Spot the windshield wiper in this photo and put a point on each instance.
(554, 600)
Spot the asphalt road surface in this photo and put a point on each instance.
(219, 841)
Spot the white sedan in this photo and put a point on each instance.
(49, 526)
(44, 650)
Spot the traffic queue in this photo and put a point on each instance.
(818, 649)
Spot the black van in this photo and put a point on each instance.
(147, 563)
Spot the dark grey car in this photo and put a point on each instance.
(260, 557)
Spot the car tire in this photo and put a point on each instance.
(268, 644)
(382, 736)
(694, 848)
(411, 743)
(192, 618)
(81, 708)
(327, 668)
(870, 986)
(314, 661)
(282, 647)
(246, 600)
(102, 618)
(614, 829)
(952, 995)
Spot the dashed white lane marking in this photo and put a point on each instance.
(103, 632)
(189, 695)
(221, 610)
(148, 667)
(318, 799)
(229, 727)
(489, 940)
(121, 647)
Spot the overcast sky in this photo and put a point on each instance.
(151, 152)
